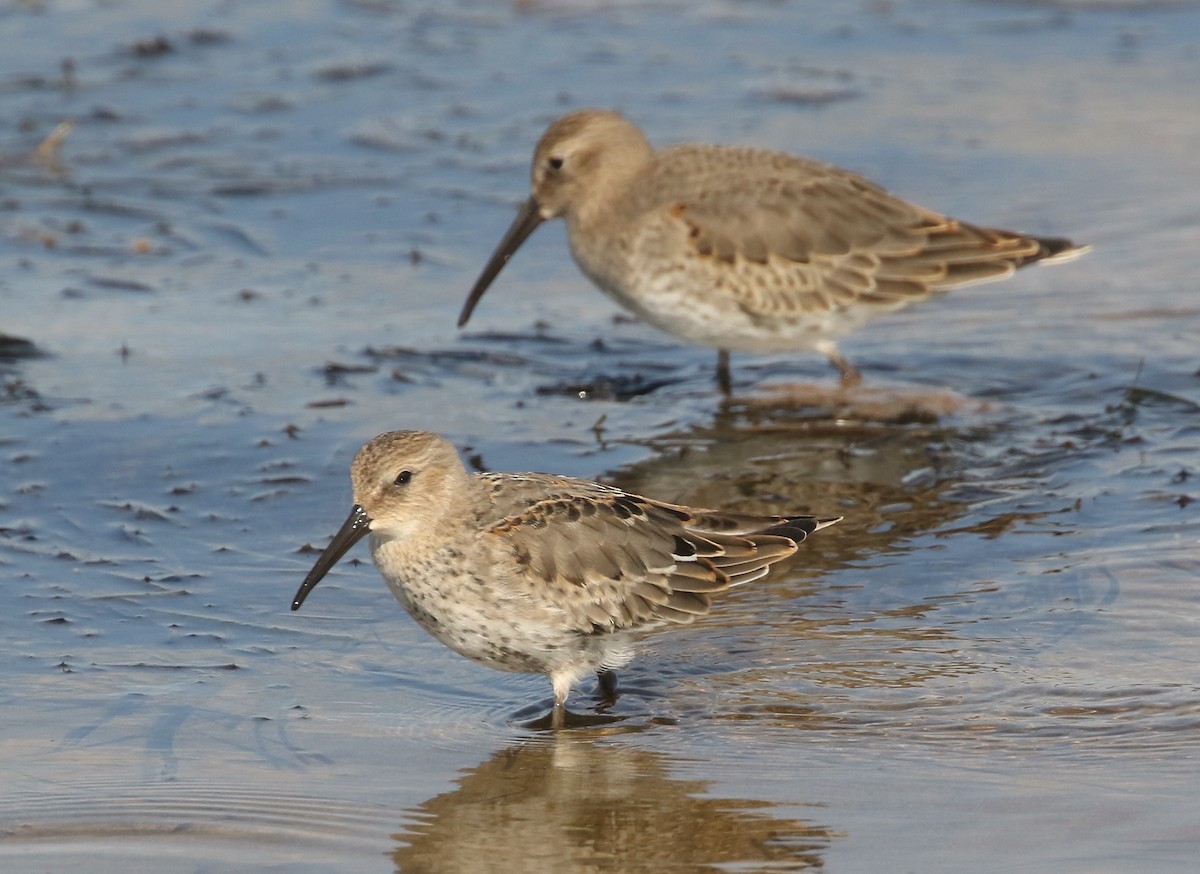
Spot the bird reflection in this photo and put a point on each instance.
(894, 482)
(575, 802)
(889, 479)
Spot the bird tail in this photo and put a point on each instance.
(1056, 250)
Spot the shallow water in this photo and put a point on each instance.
(245, 258)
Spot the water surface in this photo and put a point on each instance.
(245, 257)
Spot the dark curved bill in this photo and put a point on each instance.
(528, 218)
(352, 531)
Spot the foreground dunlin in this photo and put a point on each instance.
(742, 248)
(538, 573)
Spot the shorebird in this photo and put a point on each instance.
(537, 573)
(746, 249)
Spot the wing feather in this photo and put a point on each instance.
(612, 560)
(808, 237)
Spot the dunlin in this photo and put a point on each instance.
(742, 248)
(538, 573)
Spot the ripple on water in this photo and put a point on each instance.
(106, 826)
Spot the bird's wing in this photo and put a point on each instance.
(612, 560)
(808, 236)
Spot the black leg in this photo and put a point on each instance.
(607, 686)
(724, 380)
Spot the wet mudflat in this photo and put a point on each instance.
(244, 257)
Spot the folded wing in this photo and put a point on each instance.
(613, 560)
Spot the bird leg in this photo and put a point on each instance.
(558, 716)
(851, 376)
(606, 687)
(724, 381)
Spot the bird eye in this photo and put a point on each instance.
(403, 478)
(555, 162)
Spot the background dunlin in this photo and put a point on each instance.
(746, 249)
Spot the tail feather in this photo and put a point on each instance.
(1057, 250)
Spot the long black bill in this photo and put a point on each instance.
(528, 218)
(352, 531)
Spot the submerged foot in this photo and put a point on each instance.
(562, 719)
